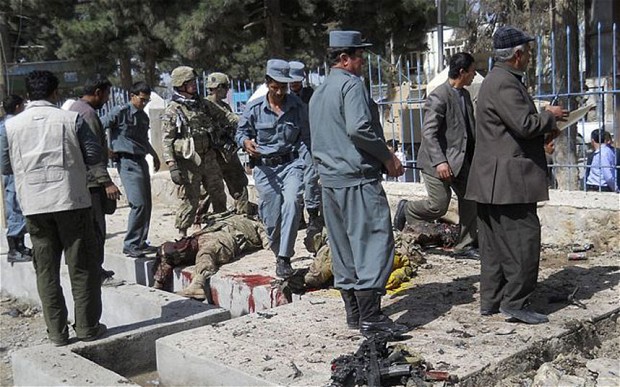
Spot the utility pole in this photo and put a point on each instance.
(440, 23)
(4, 53)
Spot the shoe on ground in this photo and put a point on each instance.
(60, 342)
(195, 292)
(283, 267)
(524, 315)
(383, 325)
(101, 330)
(134, 253)
(467, 253)
(112, 282)
(16, 256)
(489, 311)
(400, 218)
(148, 249)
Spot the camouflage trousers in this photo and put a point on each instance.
(210, 248)
(236, 180)
(208, 175)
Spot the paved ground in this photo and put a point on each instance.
(441, 309)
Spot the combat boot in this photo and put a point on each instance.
(372, 320)
(283, 267)
(315, 226)
(14, 255)
(351, 308)
(196, 288)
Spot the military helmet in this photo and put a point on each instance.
(216, 79)
(182, 74)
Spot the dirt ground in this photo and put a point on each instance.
(23, 326)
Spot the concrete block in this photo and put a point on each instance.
(46, 365)
(188, 366)
(245, 293)
(136, 270)
(127, 349)
(130, 349)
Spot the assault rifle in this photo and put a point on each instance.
(376, 365)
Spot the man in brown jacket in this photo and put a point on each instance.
(508, 177)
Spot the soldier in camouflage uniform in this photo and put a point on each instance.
(191, 126)
(225, 238)
(227, 158)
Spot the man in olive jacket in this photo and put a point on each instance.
(507, 179)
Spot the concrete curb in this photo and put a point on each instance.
(125, 349)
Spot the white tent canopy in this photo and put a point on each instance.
(443, 77)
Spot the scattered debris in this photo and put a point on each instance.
(505, 331)
(296, 371)
(267, 313)
(460, 333)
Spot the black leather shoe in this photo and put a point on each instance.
(134, 253)
(468, 253)
(283, 267)
(489, 311)
(399, 217)
(524, 315)
(101, 330)
(383, 325)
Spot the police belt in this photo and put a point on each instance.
(130, 156)
(275, 160)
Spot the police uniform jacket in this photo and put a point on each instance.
(348, 144)
(129, 130)
(275, 135)
(509, 164)
(444, 134)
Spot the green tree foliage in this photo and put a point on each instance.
(143, 38)
(238, 36)
(32, 34)
(133, 35)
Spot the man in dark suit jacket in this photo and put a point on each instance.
(508, 177)
(445, 155)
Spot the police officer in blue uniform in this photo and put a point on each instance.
(129, 126)
(274, 131)
(349, 148)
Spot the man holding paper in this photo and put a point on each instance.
(508, 177)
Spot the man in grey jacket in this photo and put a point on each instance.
(445, 156)
(95, 94)
(49, 149)
(508, 177)
(350, 151)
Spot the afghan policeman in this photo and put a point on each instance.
(274, 131)
(236, 180)
(129, 138)
(349, 148)
(312, 188)
(191, 126)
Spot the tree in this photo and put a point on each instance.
(539, 18)
(564, 14)
(128, 35)
(238, 36)
(30, 28)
